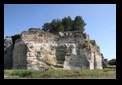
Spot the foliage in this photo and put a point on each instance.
(34, 74)
(46, 27)
(93, 42)
(34, 28)
(22, 73)
(86, 41)
(97, 47)
(112, 62)
(79, 24)
(77, 35)
(85, 44)
(66, 24)
(84, 35)
(15, 37)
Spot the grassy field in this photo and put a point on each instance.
(107, 73)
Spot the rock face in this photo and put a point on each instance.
(105, 63)
(8, 52)
(40, 50)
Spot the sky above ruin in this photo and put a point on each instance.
(100, 19)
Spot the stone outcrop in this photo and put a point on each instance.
(105, 63)
(40, 50)
(8, 52)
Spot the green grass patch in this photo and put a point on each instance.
(61, 74)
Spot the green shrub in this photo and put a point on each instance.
(34, 29)
(96, 73)
(98, 47)
(15, 37)
(93, 42)
(84, 35)
(77, 35)
(86, 41)
(112, 62)
(22, 73)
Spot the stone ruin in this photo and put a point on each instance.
(8, 52)
(105, 63)
(38, 50)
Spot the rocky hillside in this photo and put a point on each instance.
(39, 50)
(8, 62)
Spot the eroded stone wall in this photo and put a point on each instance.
(8, 60)
(38, 50)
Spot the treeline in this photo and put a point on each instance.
(65, 24)
(112, 62)
(14, 38)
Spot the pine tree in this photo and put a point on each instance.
(79, 24)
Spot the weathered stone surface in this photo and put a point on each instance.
(8, 53)
(105, 63)
(40, 50)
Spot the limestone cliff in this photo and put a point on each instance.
(38, 50)
(8, 52)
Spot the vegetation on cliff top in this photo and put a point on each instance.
(15, 37)
(65, 24)
(34, 29)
